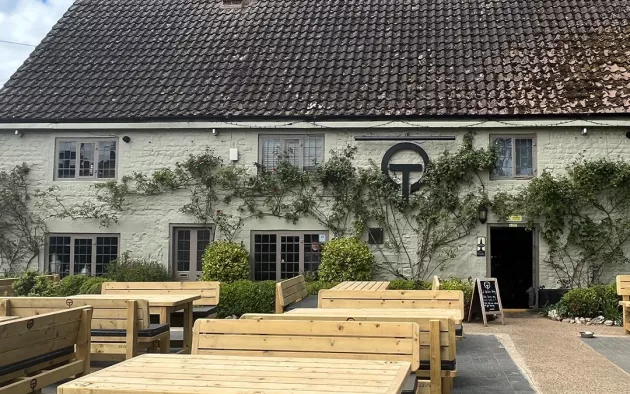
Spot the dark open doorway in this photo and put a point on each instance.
(512, 263)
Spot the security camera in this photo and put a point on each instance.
(584, 131)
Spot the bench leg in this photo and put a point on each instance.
(165, 318)
(447, 385)
(435, 372)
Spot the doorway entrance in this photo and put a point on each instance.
(512, 263)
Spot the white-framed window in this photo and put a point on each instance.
(188, 243)
(303, 151)
(278, 255)
(517, 156)
(85, 158)
(71, 254)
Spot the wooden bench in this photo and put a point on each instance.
(292, 293)
(397, 299)
(623, 289)
(206, 306)
(119, 329)
(37, 351)
(426, 349)
(6, 285)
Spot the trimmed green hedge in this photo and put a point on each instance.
(401, 284)
(245, 296)
(225, 262)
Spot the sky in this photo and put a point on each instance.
(25, 22)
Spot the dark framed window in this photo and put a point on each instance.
(189, 242)
(303, 151)
(71, 254)
(278, 255)
(517, 156)
(85, 159)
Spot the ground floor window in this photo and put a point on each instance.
(285, 254)
(189, 243)
(70, 254)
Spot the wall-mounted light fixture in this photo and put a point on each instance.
(126, 139)
(215, 132)
(584, 131)
(18, 133)
(483, 214)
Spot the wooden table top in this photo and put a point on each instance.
(368, 285)
(183, 374)
(7, 318)
(382, 314)
(155, 300)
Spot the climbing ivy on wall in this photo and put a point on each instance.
(343, 197)
(583, 216)
(21, 230)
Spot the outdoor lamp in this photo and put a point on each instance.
(483, 214)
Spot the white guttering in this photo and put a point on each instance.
(432, 124)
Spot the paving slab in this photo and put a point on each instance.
(485, 366)
(615, 349)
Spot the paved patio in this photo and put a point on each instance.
(615, 349)
(485, 366)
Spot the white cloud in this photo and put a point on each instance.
(25, 21)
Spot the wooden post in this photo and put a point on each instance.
(279, 300)
(188, 326)
(5, 308)
(436, 359)
(84, 340)
(132, 329)
(165, 318)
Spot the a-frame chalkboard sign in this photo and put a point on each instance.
(486, 299)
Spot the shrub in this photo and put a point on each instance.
(346, 259)
(245, 296)
(92, 285)
(592, 302)
(464, 285)
(401, 284)
(71, 285)
(128, 269)
(315, 286)
(226, 262)
(31, 283)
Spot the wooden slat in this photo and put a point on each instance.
(322, 339)
(342, 329)
(16, 326)
(43, 379)
(108, 313)
(290, 291)
(397, 299)
(208, 291)
(387, 314)
(33, 337)
(447, 338)
(245, 376)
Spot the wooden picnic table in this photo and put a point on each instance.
(375, 314)
(162, 305)
(7, 318)
(361, 285)
(183, 374)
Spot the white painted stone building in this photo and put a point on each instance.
(233, 90)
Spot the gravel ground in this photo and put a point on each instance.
(555, 356)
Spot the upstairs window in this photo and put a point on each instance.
(302, 151)
(86, 159)
(517, 157)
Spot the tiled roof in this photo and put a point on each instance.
(133, 59)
